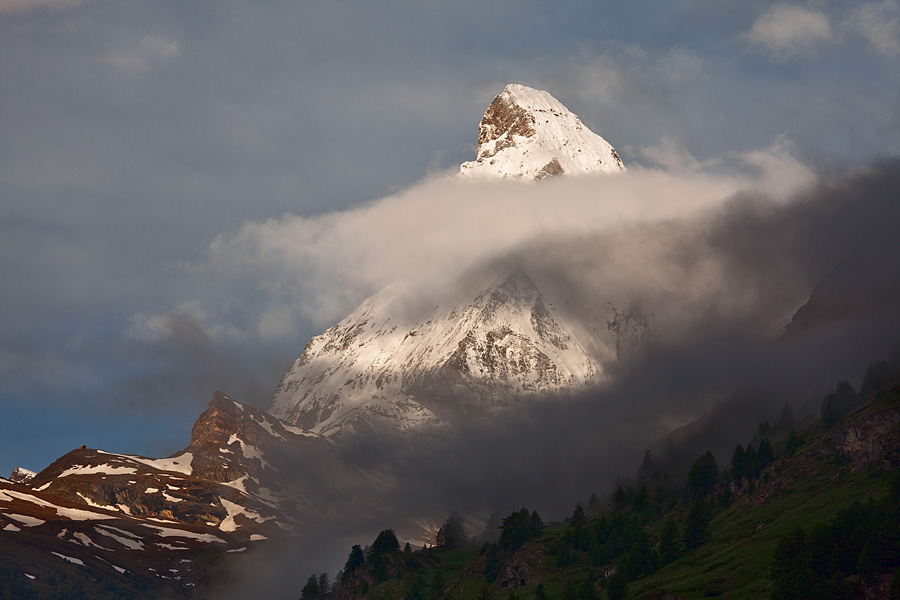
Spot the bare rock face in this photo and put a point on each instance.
(503, 120)
(528, 134)
(870, 442)
(21, 475)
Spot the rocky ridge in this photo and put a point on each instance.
(124, 513)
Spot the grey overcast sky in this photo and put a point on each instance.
(140, 142)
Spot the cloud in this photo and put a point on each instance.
(787, 31)
(879, 23)
(22, 6)
(318, 269)
(152, 49)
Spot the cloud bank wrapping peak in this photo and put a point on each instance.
(724, 272)
(320, 268)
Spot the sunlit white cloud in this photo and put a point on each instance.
(787, 30)
(317, 269)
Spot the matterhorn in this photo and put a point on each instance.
(393, 367)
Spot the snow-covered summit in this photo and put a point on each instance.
(527, 133)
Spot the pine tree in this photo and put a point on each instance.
(407, 548)
(324, 584)
(385, 542)
(540, 594)
(696, 528)
(739, 463)
(669, 542)
(537, 524)
(703, 476)
(877, 375)
(786, 420)
(310, 591)
(355, 560)
(641, 502)
(578, 518)
(454, 531)
(492, 563)
(586, 591)
(616, 587)
(766, 454)
(793, 442)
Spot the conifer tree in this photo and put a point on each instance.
(310, 591)
(454, 531)
(385, 542)
(703, 476)
(739, 463)
(696, 528)
(586, 591)
(578, 518)
(766, 454)
(793, 442)
(669, 542)
(786, 420)
(355, 560)
(616, 587)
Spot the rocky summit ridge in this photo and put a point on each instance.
(528, 134)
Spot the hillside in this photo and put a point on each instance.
(718, 539)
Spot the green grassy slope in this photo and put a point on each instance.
(833, 468)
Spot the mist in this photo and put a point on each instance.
(721, 264)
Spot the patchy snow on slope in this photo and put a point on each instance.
(24, 519)
(98, 470)
(234, 509)
(182, 533)
(125, 538)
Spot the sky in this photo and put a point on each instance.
(190, 191)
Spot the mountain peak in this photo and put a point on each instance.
(527, 133)
(384, 369)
